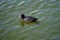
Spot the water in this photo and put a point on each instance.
(48, 12)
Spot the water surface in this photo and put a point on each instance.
(48, 12)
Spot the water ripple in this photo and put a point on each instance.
(46, 10)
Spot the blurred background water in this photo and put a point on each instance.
(48, 12)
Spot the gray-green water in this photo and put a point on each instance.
(48, 12)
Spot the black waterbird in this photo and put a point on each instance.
(28, 18)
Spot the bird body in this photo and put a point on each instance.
(28, 18)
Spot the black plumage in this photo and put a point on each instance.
(28, 18)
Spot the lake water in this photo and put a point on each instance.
(48, 12)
